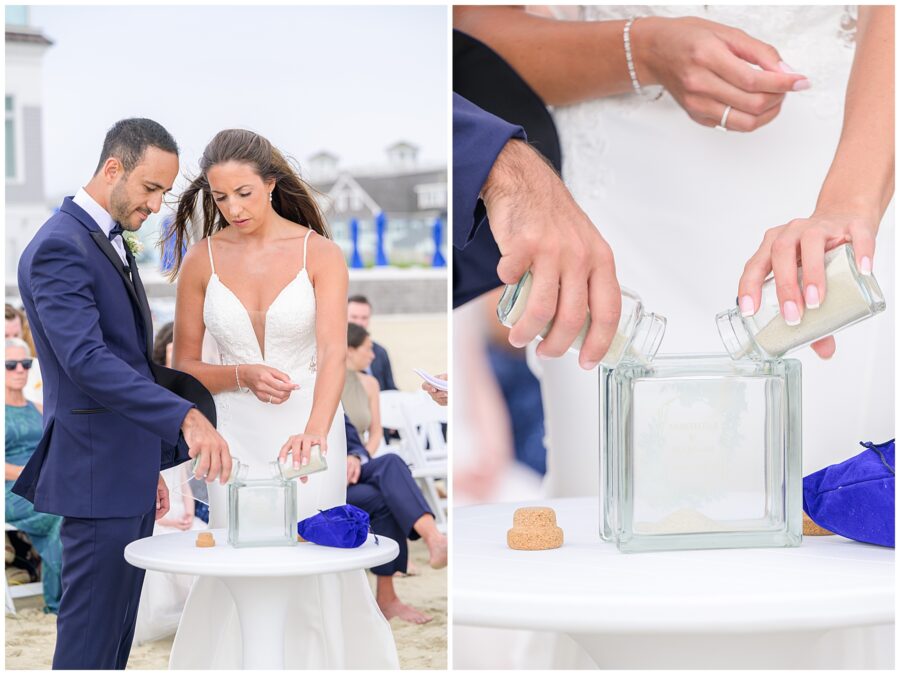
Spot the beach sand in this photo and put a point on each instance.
(31, 634)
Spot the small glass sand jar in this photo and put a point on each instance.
(262, 512)
(239, 470)
(286, 471)
(850, 297)
(638, 336)
(701, 451)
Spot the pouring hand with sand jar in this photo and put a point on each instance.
(820, 283)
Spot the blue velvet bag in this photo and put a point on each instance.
(855, 498)
(341, 526)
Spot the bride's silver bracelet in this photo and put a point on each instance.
(237, 378)
(626, 38)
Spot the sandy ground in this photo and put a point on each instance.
(31, 634)
(412, 341)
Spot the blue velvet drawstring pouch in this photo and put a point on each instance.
(341, 526)
(855, 498)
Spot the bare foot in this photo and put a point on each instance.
(437, 551)
(394, 607)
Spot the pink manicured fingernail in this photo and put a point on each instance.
(812, 297)
(747, 308)
(791, 313)
(304, 461)
(801, 85)
(865, 265)
(590, 365)
(785, 68)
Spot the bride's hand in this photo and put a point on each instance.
(300, 446)
(706, 67)
(805, 240)
(268, 384)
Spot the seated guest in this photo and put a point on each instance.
(360, 397)
(359, 311)
(17, 327)
(384, 488)
(24, 428)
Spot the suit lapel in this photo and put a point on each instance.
(143, 303)
(102, 240)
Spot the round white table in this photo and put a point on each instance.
(828, 603)
(254, 576)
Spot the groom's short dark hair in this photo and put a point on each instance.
(129, 139)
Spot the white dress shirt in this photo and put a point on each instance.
(102, 218)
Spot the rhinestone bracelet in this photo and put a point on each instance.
(626, 37)
(238, 379)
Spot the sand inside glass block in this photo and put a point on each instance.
(260, 513)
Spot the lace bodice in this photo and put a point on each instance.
(290, 325)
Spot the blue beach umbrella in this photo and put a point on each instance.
(167, 259)
(380, 227)
(436, 230)
(355, 258)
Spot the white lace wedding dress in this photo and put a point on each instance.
(334, 621)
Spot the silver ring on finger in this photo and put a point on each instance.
(724, 121)
(270, 397)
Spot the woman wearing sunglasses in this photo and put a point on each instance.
(23, 432)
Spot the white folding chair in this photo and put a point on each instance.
(403, 411)
(428, 418)
(19, 590)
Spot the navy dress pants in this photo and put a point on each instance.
(387, 491)
(100, 592)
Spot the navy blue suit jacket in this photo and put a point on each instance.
(354, 442)
(108, 427)
(478, 137)
(381, 368)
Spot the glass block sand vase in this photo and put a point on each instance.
(262, 512)
(701, 451)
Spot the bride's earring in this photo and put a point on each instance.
(270, 196)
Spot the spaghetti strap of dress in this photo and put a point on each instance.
(209, 248)
(305, 241)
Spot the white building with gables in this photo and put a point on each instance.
(411, 195)
(26, 208)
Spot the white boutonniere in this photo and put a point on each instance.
(135, 245)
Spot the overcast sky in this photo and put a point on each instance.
(351, 80)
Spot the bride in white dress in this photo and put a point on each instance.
(683, 206)
(268, 290)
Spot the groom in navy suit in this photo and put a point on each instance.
(109, 425)
(511, 214)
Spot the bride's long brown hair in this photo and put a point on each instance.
(292, 198)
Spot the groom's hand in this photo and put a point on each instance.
(162, 498)
(204, 441)
(538, 226)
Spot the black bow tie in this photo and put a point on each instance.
(116, 231)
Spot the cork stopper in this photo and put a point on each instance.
(205, 540)
(810, 529)
(534, 529)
